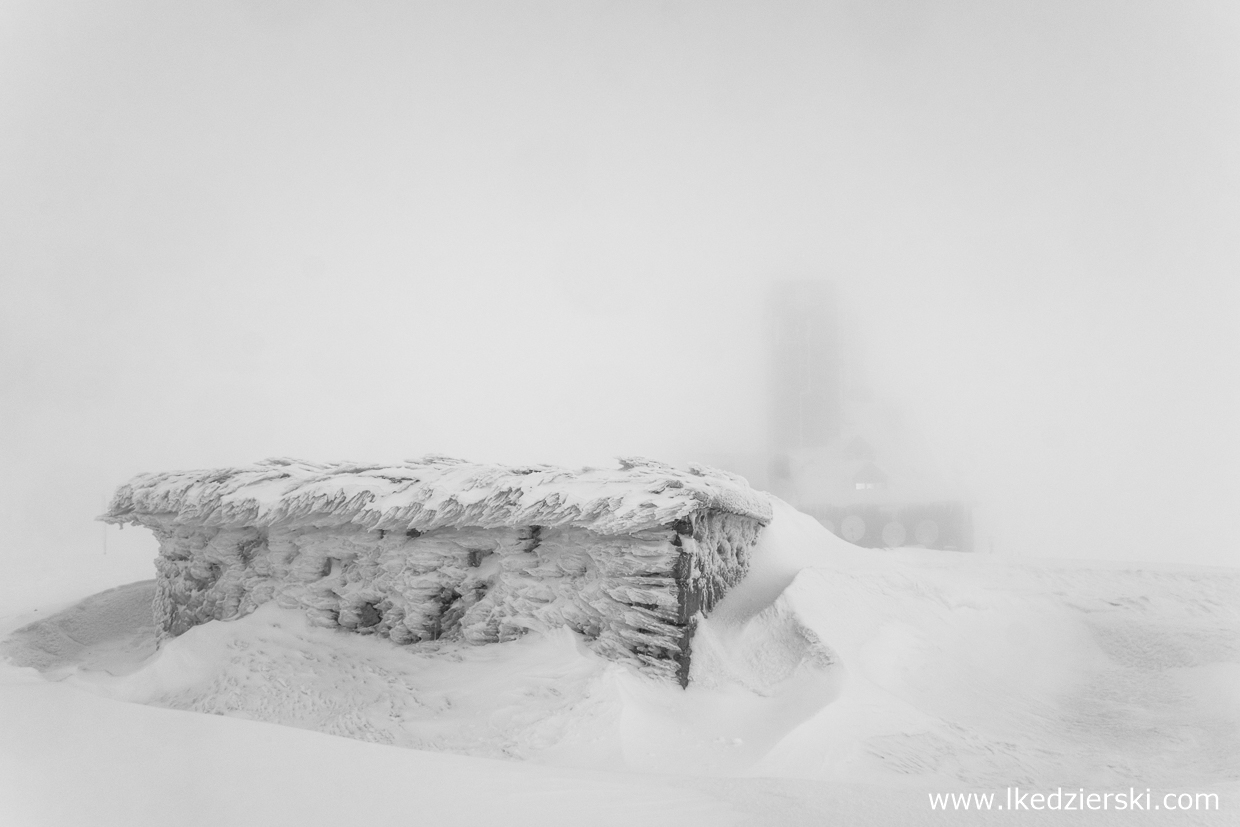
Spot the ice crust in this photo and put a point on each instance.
(373, 550)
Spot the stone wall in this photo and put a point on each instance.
(633, 597)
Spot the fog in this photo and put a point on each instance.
(543, 232)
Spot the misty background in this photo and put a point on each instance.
(544, 232)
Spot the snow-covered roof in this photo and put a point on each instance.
(435, 492)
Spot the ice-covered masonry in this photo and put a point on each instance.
(438, 548)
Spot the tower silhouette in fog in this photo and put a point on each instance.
(836, 452)
(804, 373)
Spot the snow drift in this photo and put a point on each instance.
(826, 662)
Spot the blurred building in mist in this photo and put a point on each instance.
(836, 452)
(804, 370)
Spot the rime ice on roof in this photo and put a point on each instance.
(437, 492)
(438, 547)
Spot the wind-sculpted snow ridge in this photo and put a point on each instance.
(630, 558)
(891, 671)
(436, 492)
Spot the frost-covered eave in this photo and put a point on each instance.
(434, 493)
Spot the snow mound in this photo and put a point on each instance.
(906, 668)
(544, 697)
(967, 669)
(111, 632)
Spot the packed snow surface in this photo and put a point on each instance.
(833, 683)
(434, 493)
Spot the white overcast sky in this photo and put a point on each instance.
(541, 232)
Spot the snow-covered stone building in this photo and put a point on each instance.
(444, 549)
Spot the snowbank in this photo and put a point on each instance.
(832, 684)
